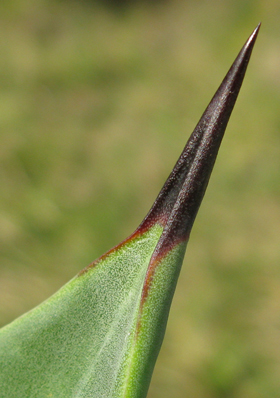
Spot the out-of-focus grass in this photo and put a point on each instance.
(95, 107)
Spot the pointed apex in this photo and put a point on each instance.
(254, 35)
(223, 101)
(178, 202)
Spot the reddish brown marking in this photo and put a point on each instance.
(177, 204)
(181, 196)
(156, 259)
(144, 227)
(160, 252)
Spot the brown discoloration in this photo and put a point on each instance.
(181, 196)
(178, 202)
(138, 232)
(135, 234)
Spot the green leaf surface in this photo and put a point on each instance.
(99, 335)
(73, 343)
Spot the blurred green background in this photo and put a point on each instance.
(97, 100)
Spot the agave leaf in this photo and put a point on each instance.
(100, 334)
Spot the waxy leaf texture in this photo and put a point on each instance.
(100, 334)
